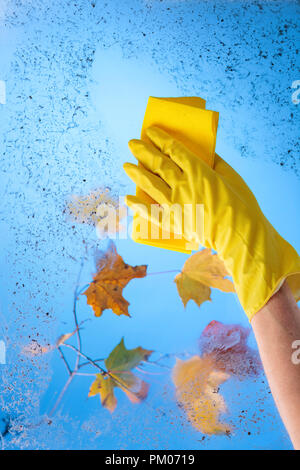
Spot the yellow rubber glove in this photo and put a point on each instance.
(255, 255)
(186, 119)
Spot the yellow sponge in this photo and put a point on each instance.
(187, 120)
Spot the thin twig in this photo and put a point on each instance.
(80, 353)
(82, 289)
(64, 360)
(85, 374)
(67, 384)
(164, 272)
(75, 313)
(71, 374)
(83, 364)
(77, 330)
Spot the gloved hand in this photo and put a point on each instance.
(188, 120)
(255, 255)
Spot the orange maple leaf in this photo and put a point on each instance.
(105, 291)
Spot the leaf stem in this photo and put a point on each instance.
(164, 272)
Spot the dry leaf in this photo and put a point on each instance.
(34, 348)
(63, 338)
(197, 382)
(200, 272)
(112, 276)
(99, 208)
(119, 364)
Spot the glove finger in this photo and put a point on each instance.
(153, 185)
(139, 206)
(153, 160)
(232, 178)
(171, 147)
(159, 216)
(133, 202)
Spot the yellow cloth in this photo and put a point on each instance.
(255, 255)
(187, 120)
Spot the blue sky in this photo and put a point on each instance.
(77, 82)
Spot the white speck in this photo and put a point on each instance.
(2, 92)
(2, 352)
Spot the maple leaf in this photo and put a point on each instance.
(105, 292)
(104, 386)
(197, 382)
(200, 272)
(119, 364)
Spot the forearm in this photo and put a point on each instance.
(276, 326)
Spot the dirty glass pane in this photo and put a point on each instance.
(75, 77)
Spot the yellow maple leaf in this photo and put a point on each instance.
(197, 382)
(119, 364)
(200, 272)
(104, 386)
(105, 291)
